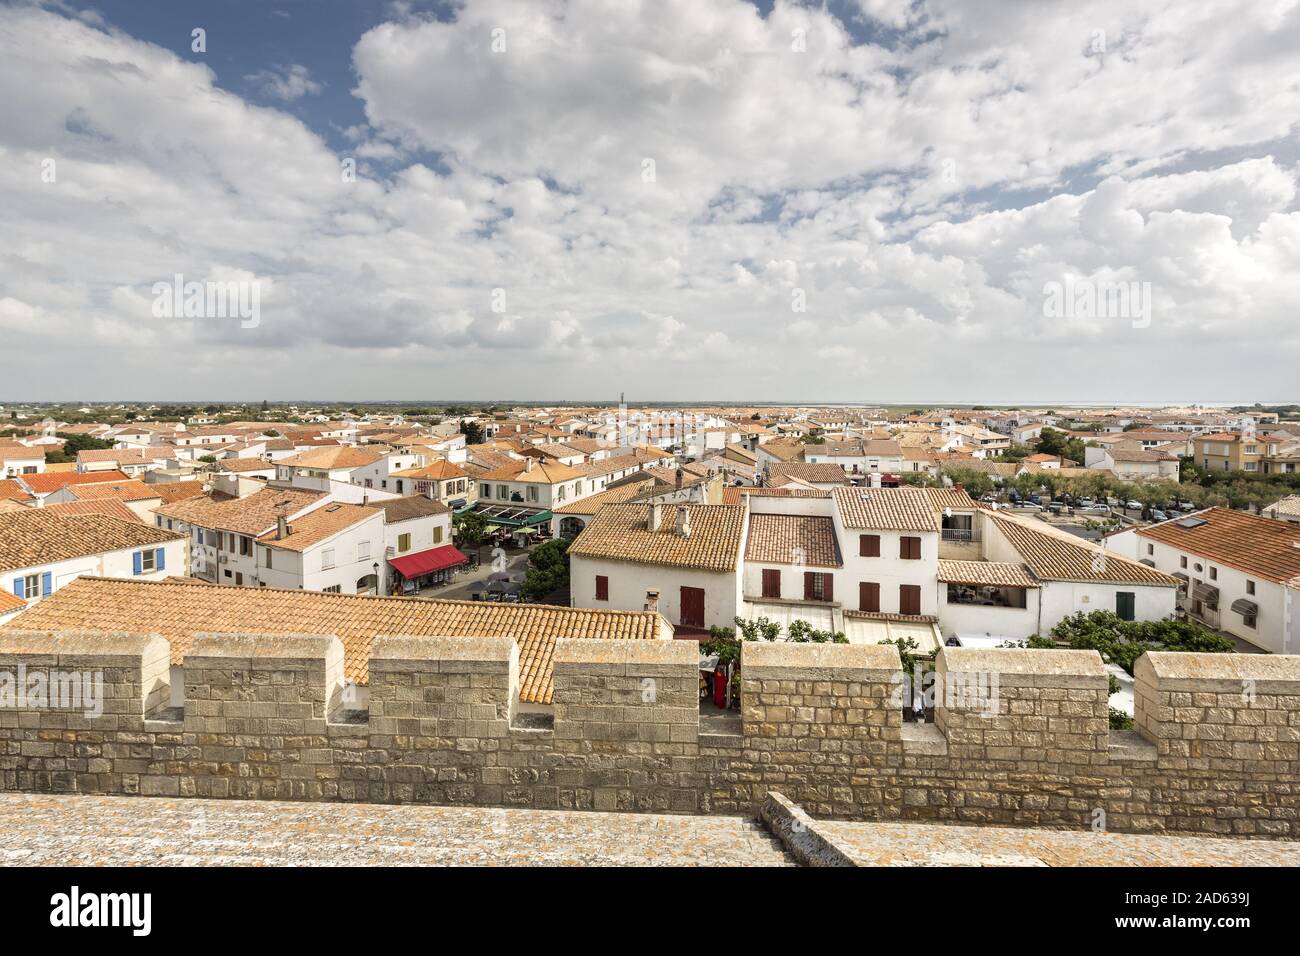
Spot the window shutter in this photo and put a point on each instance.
(828, 587)
(869, 545)
(807, 585)
(602, 588)
(869, 596)
(160, 560)
(19, 590)
(137, 562)
(47, 583)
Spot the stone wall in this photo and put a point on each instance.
(1021, 736)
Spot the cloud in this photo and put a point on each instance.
(874, 217)
(284, 83)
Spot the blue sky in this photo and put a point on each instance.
(858, 200)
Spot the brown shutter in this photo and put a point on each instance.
(602, 588)
(828, 587)
(869, 545)
(771, 583)
(807, 585)
(869, 596)
(909, 599)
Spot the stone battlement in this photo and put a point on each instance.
(1021, 736)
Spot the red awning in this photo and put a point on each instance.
(412, 566)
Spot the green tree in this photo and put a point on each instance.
(548, 569)
(472, 431)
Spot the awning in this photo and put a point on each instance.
(1148, 562)
(412, 566)
(1205, 592)
(1182, 577)
(1245, 608)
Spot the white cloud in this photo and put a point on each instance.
(820, 172)
(284, 83)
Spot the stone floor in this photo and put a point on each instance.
(44, 830)
(914, 844)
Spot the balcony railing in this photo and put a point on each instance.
(961, 535)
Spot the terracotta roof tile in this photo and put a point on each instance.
(1059, 556)
(793, 539)
(895, 509)
(621, 533)
(992, 573)
(179, 610)
(1260, 546)
(34, 537)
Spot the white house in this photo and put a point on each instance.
(680, 560)
(41, 551)
(17, 459)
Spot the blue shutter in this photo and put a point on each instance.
(19, 590)
(160, 562)
(137, 563)
(47, 583)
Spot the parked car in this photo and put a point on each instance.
(1158, 515)
(1095, 510)
(1030, 506)
(1133, 505)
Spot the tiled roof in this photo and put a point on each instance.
(34, 537)
(895, 509)
(316, 526)
(950, 498)
(112, 507)
(439, 470)
(611, 496)
(50, 481)
(237, 465)
(783, 450)
(806, 471)
(251, 515)
(862, 448)
(1290, 505)
(10, 490)
(542, 473)
(621, 533)
(338, 456)
(128, 490)
(171, 491)
(736, 494)
(993, 573)
(179, 610)
(10, 602)
(1264, 547)
(412, 506)
(793, 539)
(1059, 556)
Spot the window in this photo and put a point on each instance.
(31, 586)
(245, 546)
(503, 492)
(559, 493)
(268, 559)
(1151, 549)
(327, 559)
(1250, 586)
(771, 582)
(869, 545)
(818, 586)
(1182, 562)
(333, 589)
(1124, 605)
(148, 562)
(1248, 620)
(399, 486)
(403, 542)
(485, 490)
(869, 596)
(909, 598)
(437, 536)
(987, 596)
(602, 587)
(239, 578)
(1214, 574)
(363, 550)
(910, 549)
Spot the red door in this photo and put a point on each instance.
(692, 607)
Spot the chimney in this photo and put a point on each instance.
(281, 528)
(653, 513)
(652, 600)
(528, 463)
(959, 487)
(677, 479)
(684, 521)
(365, 500)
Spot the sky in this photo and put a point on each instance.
(683, 200)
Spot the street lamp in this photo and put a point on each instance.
(378, 591)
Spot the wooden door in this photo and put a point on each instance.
(692, 607)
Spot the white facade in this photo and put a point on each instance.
(155, 562)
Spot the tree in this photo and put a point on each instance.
(472, 431)
(548, 570)
(469, 528)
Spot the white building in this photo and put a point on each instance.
(41, 551)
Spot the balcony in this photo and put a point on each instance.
(961, 535)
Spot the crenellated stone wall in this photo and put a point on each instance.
(1021, 736)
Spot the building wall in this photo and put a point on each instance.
(1014, 623)
(263, 717)
(628, 583)
(889, 570)
(112, 564)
